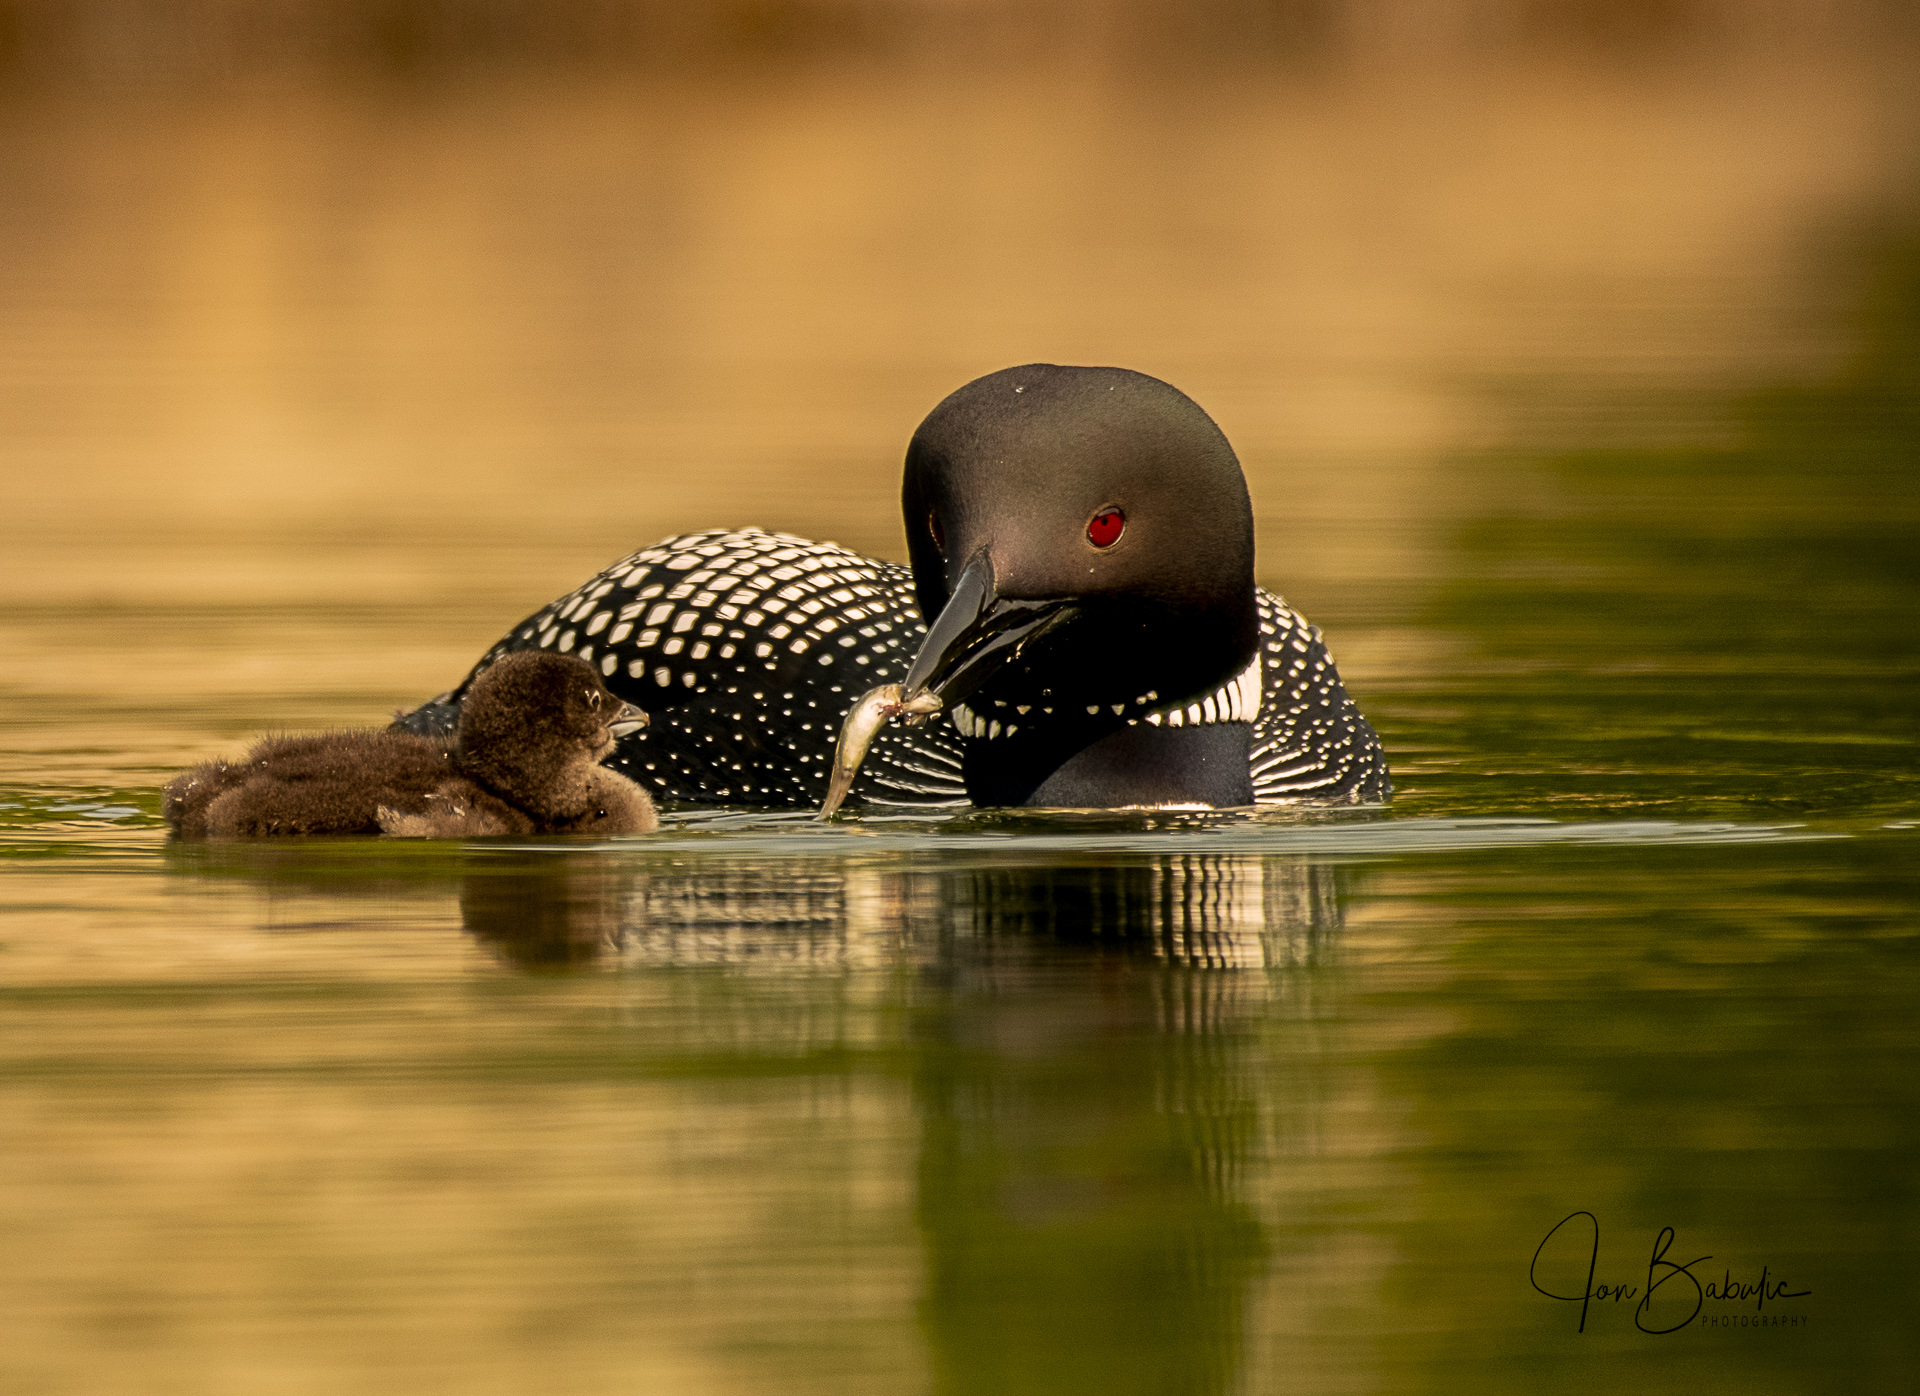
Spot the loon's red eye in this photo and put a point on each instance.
(1104, 528)
(939, 534)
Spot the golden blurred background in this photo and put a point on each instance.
(443, 304)
(337, 335)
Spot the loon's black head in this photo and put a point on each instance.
(1082, 548)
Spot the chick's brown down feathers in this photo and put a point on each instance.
(525, 761)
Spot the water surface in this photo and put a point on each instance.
(1000, 1101)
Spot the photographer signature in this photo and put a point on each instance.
(1661, 1272)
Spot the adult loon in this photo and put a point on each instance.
(1082, 538)
(525, 761)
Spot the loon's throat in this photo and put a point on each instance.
(997, 719)
(1236, 700)
(1132, 764)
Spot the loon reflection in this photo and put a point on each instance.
(1087, 1050)
(1199, 910)
(1085, 1057)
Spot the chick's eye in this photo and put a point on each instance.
(593, 700)
(1105, 527)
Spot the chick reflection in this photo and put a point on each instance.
(1090, 1093)
(546, 910)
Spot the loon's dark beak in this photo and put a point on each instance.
(975, 635)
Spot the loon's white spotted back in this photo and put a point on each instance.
(747, 649)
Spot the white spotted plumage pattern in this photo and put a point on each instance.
(1310, 742)
(747, 648)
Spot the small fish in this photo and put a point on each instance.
(875, 709)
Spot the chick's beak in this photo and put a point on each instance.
(626, 721)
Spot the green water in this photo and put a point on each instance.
(1097, 1103)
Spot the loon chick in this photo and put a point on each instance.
(525, 761)
(1082, 538)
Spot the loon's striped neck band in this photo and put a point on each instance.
(1237, 700)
